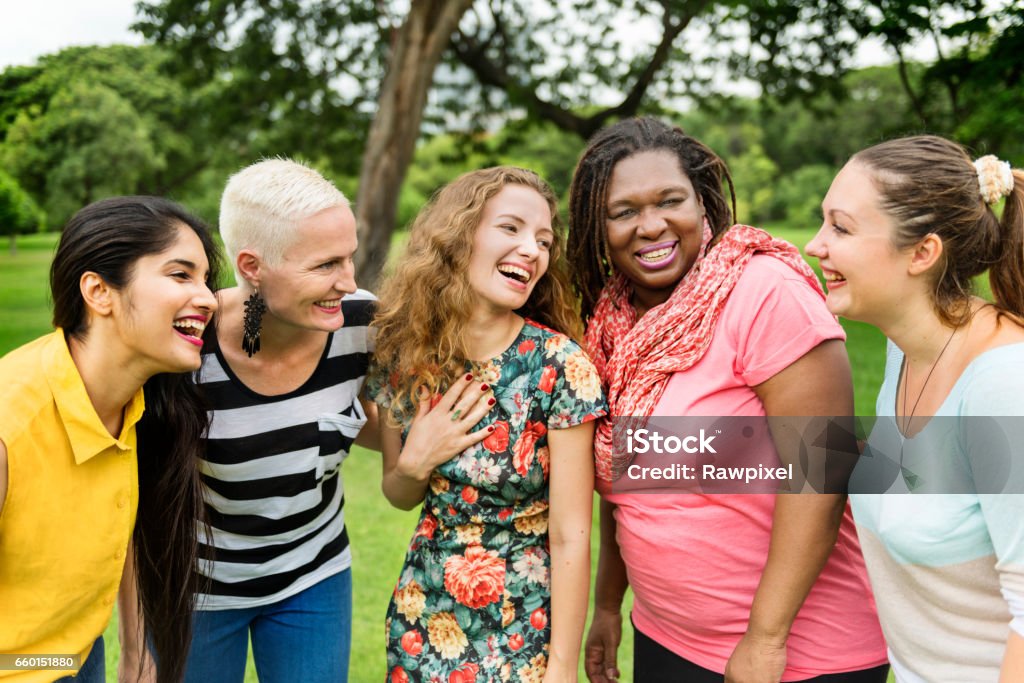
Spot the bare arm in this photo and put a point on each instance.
(130, 629)
(569, 519)
(437, 434)
(1013, 659)
(804, 526)
(369, 436)
(601, 657)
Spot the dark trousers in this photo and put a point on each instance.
(653, 663)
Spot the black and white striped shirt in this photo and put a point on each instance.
(272, 475)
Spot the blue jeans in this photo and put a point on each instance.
(94, 668)
(302, 638)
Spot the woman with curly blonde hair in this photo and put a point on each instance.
(491, 428)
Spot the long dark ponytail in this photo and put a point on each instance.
(107, 238)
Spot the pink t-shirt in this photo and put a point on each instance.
(694, 560)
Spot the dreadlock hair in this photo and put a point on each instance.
(590, 263)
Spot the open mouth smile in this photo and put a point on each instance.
(191, 328)
(331, 305)
(657, 256)
(515, 274)
(833, 279)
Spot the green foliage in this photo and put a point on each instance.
(798, 195)
(540, 147)
(88, 122)
(91, 143)
(284, 78)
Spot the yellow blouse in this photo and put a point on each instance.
(72, 493)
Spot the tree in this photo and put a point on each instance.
(559, 62)
(18, 213)
(976, 76)
(87, 122)
(90, 144)
(416, 50)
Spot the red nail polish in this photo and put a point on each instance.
(491, 401)
(491, 428)
(469, 376)
(484, 387)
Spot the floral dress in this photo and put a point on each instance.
(473, 600)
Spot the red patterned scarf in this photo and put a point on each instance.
(636, 359)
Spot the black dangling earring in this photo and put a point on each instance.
(252, 321)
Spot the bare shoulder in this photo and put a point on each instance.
(995, 330)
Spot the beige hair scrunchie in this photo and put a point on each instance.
(995, 178)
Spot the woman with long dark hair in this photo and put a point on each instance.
(130, 286)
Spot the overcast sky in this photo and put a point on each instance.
(31, 28)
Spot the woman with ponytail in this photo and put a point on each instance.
(909, 225)
(80, 515)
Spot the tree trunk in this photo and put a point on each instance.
(415, 53)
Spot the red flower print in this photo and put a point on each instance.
(526, 346)
(505, 514)
(544, 458)
(465, 673)
(497, 441)
(470, 495)
(475, 579)
(434, 400)
(427, 527)
(515, 641)
(523, 456)
(412, 643)
(547, 379)
(538, 619)
(451, 511)
(398, 675)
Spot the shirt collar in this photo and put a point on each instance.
(86, 433)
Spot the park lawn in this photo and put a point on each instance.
(24, 290)
(378, 532)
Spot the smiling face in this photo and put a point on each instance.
(162, 311)
(655, 223)
(866, 275)
(511, 248)
(305, 289)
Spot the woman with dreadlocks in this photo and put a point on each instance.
(688, 314)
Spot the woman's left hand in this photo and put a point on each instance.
(756, 660)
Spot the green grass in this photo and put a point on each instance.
(24, 290)
(379, 533)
